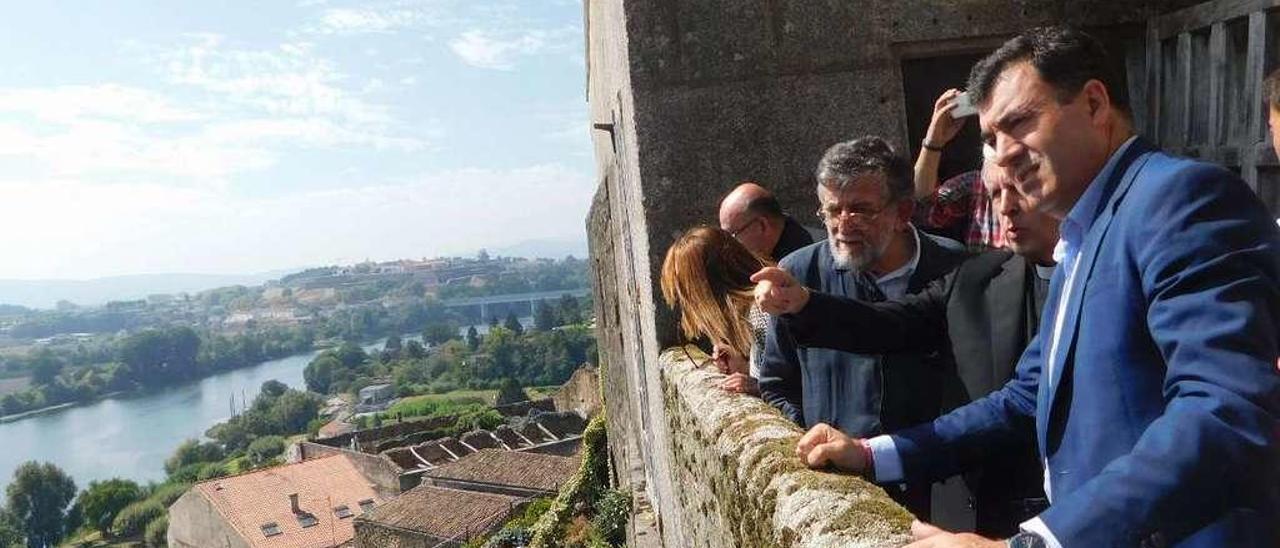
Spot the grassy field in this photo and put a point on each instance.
(15, 384)
(417, 405)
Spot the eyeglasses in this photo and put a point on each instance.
(744, 227)
(833, 213)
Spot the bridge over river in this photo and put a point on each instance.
(480, 309)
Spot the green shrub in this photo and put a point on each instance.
(264, 449)
(156, 531)
(134, 518)
(612, 512)
(212, 470)
(167, 493)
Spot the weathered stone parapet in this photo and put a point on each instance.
(740, 483)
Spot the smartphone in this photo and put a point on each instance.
(964, 107)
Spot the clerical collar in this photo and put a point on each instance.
(1044, 272)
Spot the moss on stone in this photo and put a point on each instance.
(871, 513)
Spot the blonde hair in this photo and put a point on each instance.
(706, 277)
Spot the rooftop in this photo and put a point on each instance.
(441, 512)
(257, 504)
(512, 468)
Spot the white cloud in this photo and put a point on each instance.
(348, 21)
(499, 50)
(139, 228)
(112, 101)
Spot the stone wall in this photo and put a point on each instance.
(371, 534)
(581, 394)
(195, 523)
(741, 483)
(384, 474)
(688, 98)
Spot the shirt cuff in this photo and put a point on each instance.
(887, 463)
(1037, 526)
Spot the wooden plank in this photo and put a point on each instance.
(1254, 73)
(1153, 123)
(1136, 72)
(1217, 83)
(1182, 92)
(1208, 13)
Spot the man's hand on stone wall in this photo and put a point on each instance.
(929, 536)
(824, 446)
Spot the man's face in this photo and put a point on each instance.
(860, 221)
(1032, 234)
(1050, 150)
(748, 229)
(1275, 130)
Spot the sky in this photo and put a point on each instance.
(238, 137)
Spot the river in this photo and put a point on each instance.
(130, 436)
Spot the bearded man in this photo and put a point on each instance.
(872, 253)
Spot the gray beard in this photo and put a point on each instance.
(845, 260)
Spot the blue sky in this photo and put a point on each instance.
(234, 137)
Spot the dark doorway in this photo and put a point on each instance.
(923, 80)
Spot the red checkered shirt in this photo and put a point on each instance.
(962, 206)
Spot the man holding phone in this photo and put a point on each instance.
(960, 207)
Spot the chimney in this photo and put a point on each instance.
(293, 502)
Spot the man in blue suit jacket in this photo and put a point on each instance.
(1152, 385)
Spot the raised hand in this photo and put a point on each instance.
(777, 292)
(942, 127)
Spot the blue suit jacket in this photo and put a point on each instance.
(1161, 421)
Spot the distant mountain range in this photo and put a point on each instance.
(543, 249)
(92, 292)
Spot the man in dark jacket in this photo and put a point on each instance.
(754, 217)
(872, 251)
(984, 313)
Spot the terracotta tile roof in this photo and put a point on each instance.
(517, 469)
(251, 500)
(442, 512)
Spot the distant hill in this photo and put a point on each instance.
(46, 293)
(543, 248)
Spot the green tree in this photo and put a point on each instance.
(544, 317)
(414, 350)
(38, 498)
(274, 388)
(510, 391)
(264, 449)
(191, 452)
(570, 310)
(318, 374)
(473, 338)
(134, 518)
(292, 411)
(102, 500)
(513, 324)
(439, 332)
(393, 346)
(45, 366)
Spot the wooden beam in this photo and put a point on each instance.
(1182, 92)
(1217, 84)
(1207, 13)
(1154, 123)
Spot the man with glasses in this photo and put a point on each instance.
(754, 217)
(872, 252)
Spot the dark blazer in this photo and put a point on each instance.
(981, 313)
(793, 237)
(1159, 422)
(905, 390)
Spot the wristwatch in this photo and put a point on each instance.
(1027, 539)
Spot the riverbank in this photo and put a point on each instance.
(52, 408)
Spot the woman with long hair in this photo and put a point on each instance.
(706, 277)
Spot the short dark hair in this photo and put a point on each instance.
(765, 206)
(846, 161)
(1271, 89)
(1065, 57)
